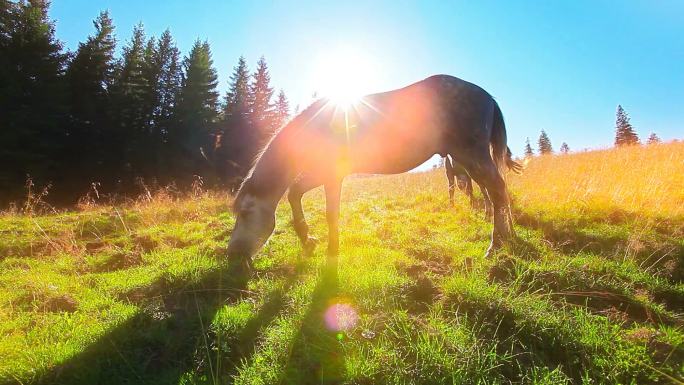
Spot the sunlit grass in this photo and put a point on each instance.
(642, 180)
(590, 292)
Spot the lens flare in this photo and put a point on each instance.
(340, 317)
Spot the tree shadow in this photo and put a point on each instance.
(161, 342)
(317, 356)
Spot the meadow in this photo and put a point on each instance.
(591, 291)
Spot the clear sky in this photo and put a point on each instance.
(562, 66)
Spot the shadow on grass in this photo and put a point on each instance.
(160, 343)
(242, 347)
(584, 289)
(316, 356)
(616, 233)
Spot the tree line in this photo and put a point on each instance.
(88, 118)
(625, 135)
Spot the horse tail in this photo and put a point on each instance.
(497, 140)
(501, 153)
(513, 165)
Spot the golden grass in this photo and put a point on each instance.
(643, 180)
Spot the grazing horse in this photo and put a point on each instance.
(458, 176)
(385, 133)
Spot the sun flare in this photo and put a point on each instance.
(345, 75)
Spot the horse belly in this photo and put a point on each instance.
(400, 151)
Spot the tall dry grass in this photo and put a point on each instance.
(643, 180)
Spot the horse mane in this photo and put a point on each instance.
(273, 143)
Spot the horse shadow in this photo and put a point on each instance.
(169, 339)
(316, 355)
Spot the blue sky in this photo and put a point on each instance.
(562, 66)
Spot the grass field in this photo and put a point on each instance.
(591, 292)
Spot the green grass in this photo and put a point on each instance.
(143, 294)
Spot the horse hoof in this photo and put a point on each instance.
(491, 251)
(242, 267)
(310, 246)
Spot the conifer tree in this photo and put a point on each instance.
(544, 143)
(260, 96)
(236, 138)
(167, 88)
(282, 110)
(132, 101)
(197, 110)
(90, 77)
(163, 74)
(564, 148)
(238, 94)
(32, 109)
(653, 139)
(624, 132)
(168, 85)
(528, 149)
(91, 72)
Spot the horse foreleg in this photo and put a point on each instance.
(332, 214)
(465, 184)
(297, 190)
(489, 211)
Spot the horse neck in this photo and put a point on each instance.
(271, 175)
(273, 171)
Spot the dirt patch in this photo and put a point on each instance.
(660, 350)
(428, 261)
(502, 271)
(145, 243)
(93, 246)
(420, 294)
(576, 288)
(121, 260)
(47, 302)
(617, 307)
(672, 299)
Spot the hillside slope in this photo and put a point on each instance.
(591, 292)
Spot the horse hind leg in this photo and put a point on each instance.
(483, 170)
(449, 169)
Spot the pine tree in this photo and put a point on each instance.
(528, 149)
(624, 132)
(235, 140)
(168, 80)
(197, 110)
(132, 101)
(564, 148)
(165, 78)
(90, 77)
(259, 101)
(544, 143)
(236, 102)
(282, 110)
(32, 108)
(653, 139)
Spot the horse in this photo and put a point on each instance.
(384, 133)
(458, 176)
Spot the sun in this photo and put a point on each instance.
(344, 75)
